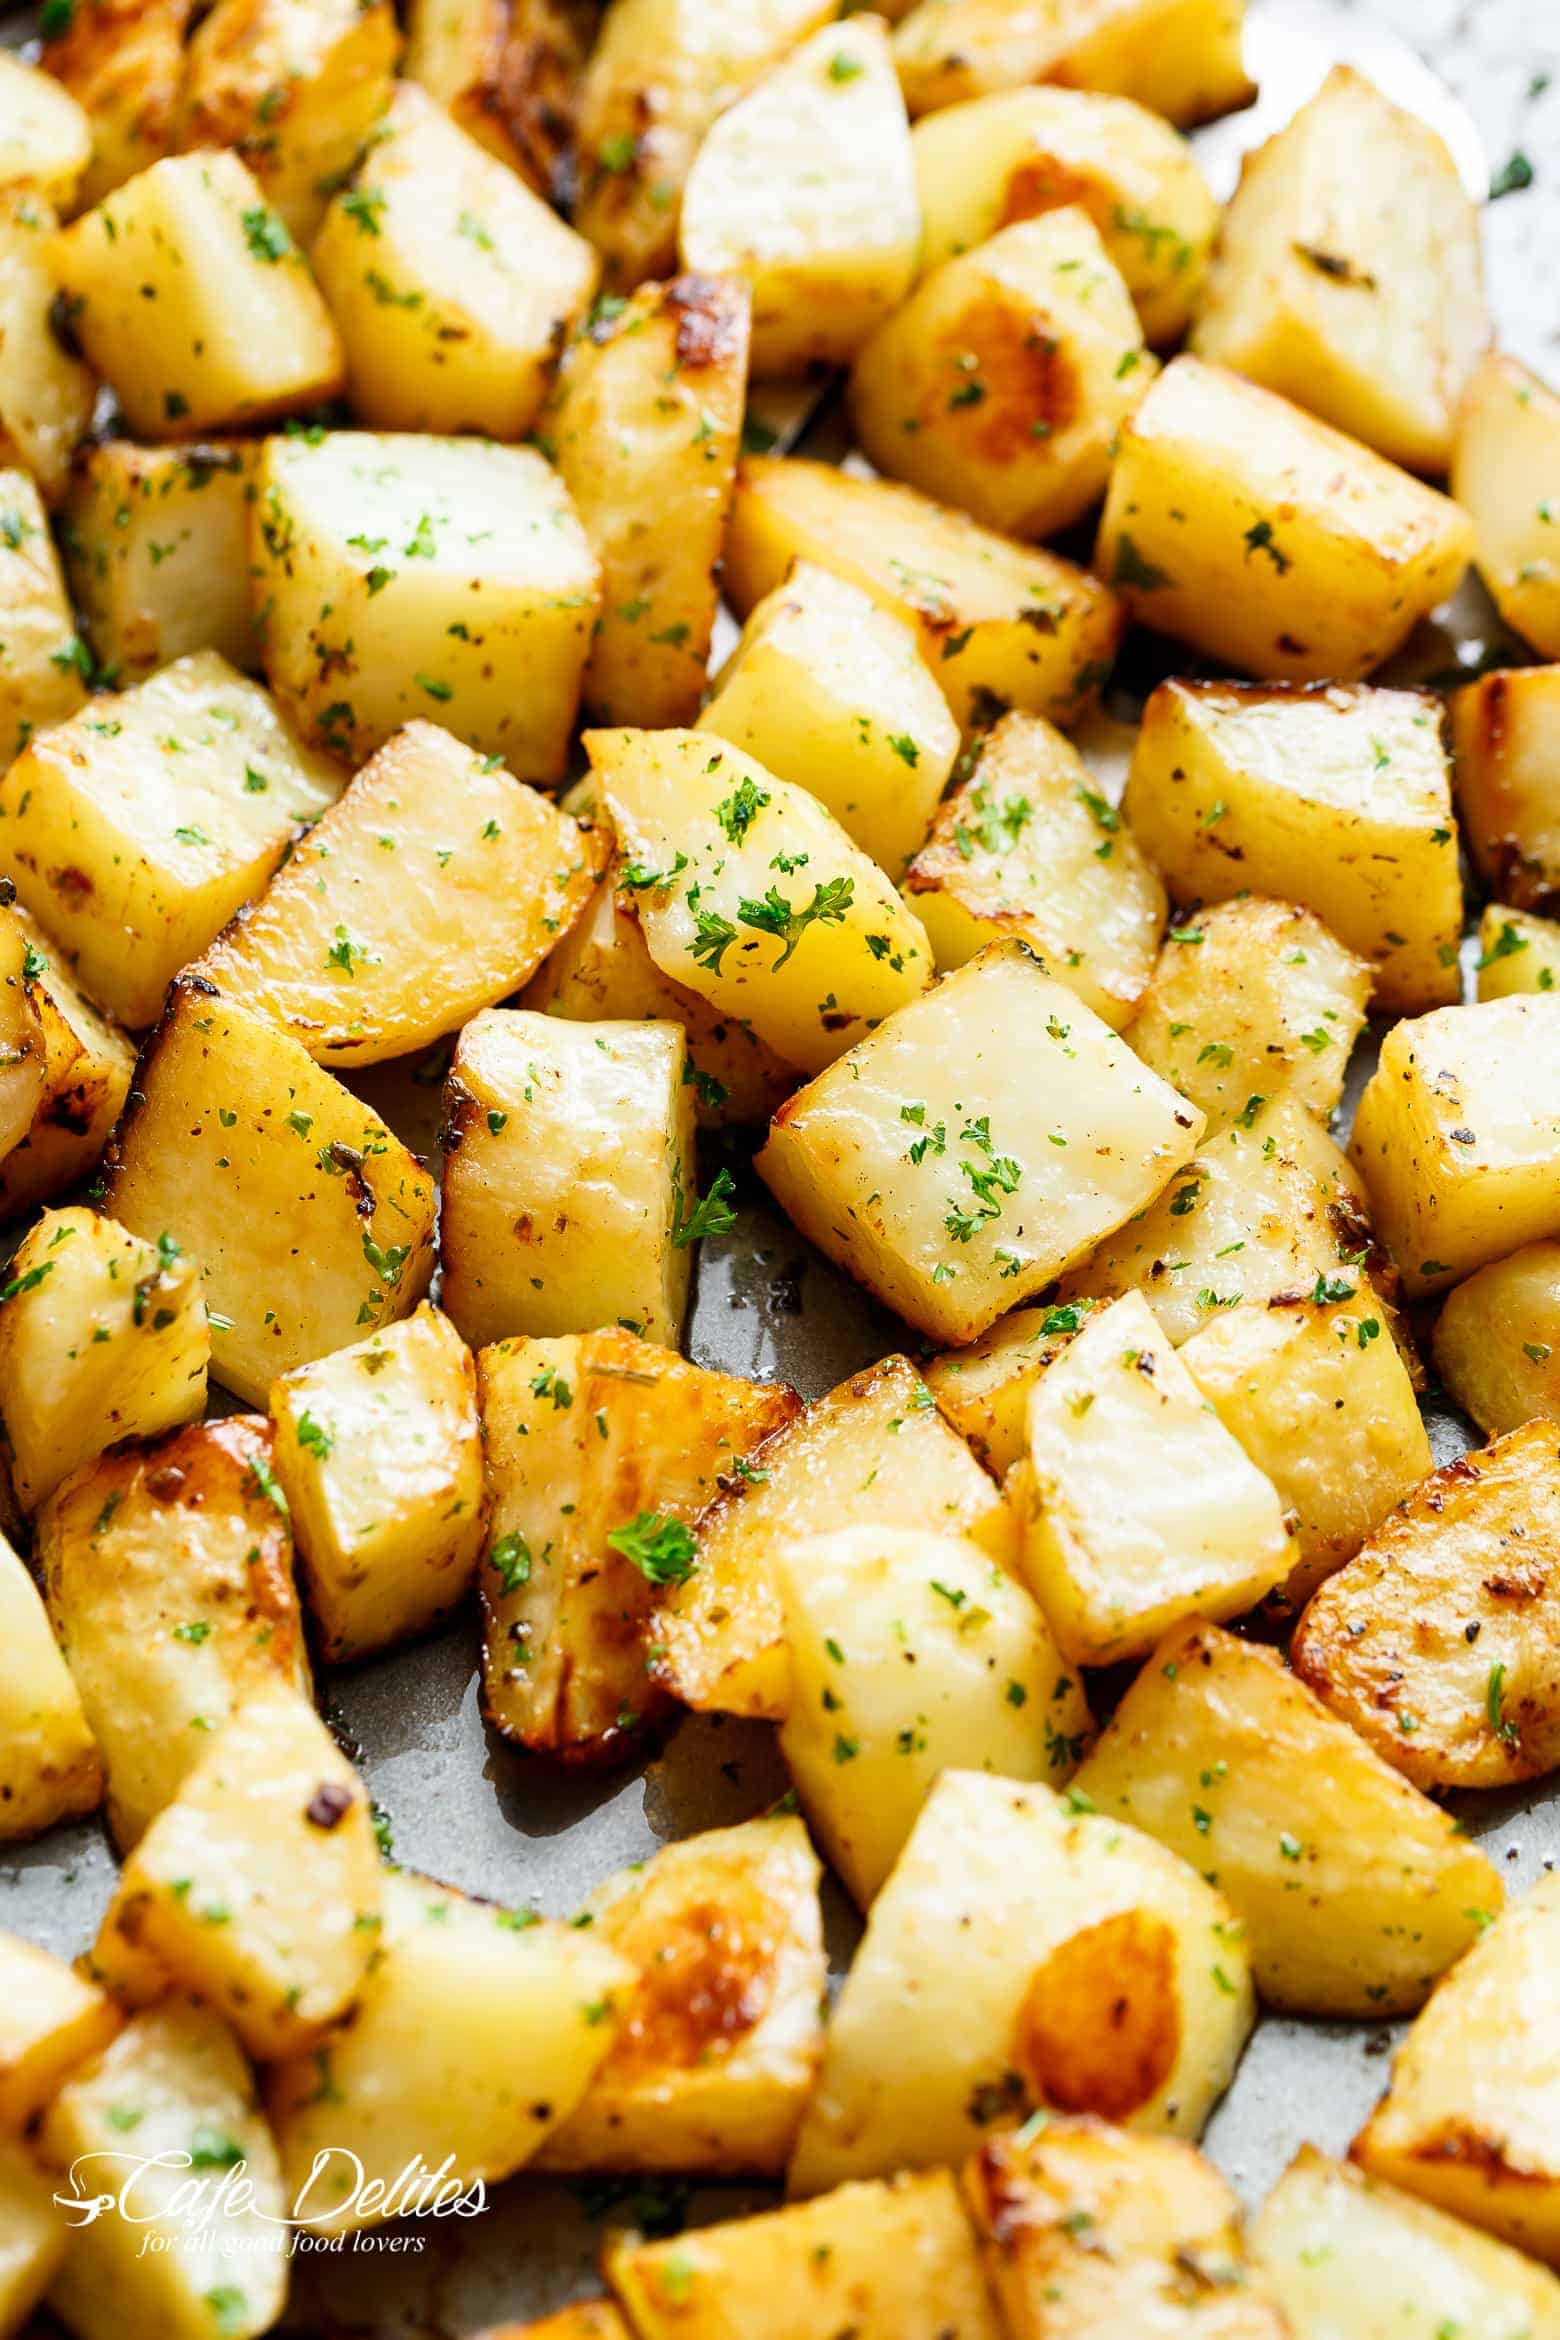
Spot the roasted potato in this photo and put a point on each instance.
(1181, 57)
(156, 543)
(50, 1769)
(45, 137)
(42, 659)
(64, 1069)
(589, 2319)
(54, 2019)
(33, 2235)
(46, 393)
(508, 72)
(1517, 952)
(984, 1389)
(1505, 728)
(123, 61)
(1497, 1340)
(1508, 445)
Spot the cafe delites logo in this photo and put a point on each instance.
(202, 2197)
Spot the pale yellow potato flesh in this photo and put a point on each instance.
(984, 1388)
(33, 2234)
(156, 544)
(45, 137)
(1504, 466)
(1497, 1340)
(1517, 952)
(40, 677)
(1181, 57)
(1505, 731)
(54, 2020)
(50, 1769)
(64, 1069)
(46, 394)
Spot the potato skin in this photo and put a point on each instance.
(1505, 737)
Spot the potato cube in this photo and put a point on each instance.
(602, 1450)
(45, 138)
(944, 1168)
(123, 62)
(188, 294)
(1181, 57)
(157, 551)
(983, 165)
(1355, 1889)
(508, 72)
(311, 1225)
(874, 1453)
(46, 394)
(829, 251)
(644, 427)
(379, 1453)
(826, 689)
(49, 1769)
(984, 1389)
(402, 575)
(478, 2031)
(64, 1069)
(1317, 1393)
(1504, 469)
(102, 1337)
(1025, 1953)
(166, 2111)
(1458, 1137)
(883, 2262)
(1337, 799)
(863, 1738)
(1517, 952)
(41, 659)
(1239, 524)
(1497, 1340)
(1000, 624)
(1348, 275)
(435, 886)
(1505, 735)
(1027, 846)
(1000, 386)
(589, 2319)
(297, 87)
(136, 829)
(52, 2019)
(722, 2033)
(33, 2235)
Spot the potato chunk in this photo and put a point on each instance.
(1024, 1953)
(137, 829)
(33, 2235)
(453, 286)
(1497, 1341)
(102, 1337)
(1241, 525)
(830, 251)
(1000, 386)
(864, 1738)
(1356, 1890)
(508, 72)
(49, 1766)
(64, 1069)
(1337, 799)
(1348, 274)
(984, 1389)
(123, 62)
(1517, 952)
(1181, 57)
(46, 394)
(379, 1453)
(602, 1451)
(191, 299)
(1000, 624)
(435, 886)
(157, 550)
(943, 1169)
(401, 575)
(465, 2000)
(52, 2020)
(589, 2319)
(644, 427)
(722, 2034)
(1027, 846)
(309, 1220)
(1505, 730)
(45, 137)
(41, 659)
(827, 690)
(1505, 462)
(985, 164)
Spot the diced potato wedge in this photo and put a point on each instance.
(297, 86)
(64, 1069)
(33, 2235)
(171, 2101)
(1458, 1137)
(826, 689)
(508, 72)
(1000, 624)
(52, 2019)
(477, 2033)
(1467, 2121)
(939, 1165)
(1506, 456)
(1241, 525)
(602, 1450)
(1348, 275)
(46, 394)
(157, 550)
(1181, 57)
(45, 137)
(589, 2319)
(1355, 1890)
(309, 1220)
(379, 1453)
(1265, 1002)
(123, 62)
(102, 1337)
(1000, 385)
(1027, 846)
(1497, 1340)
(433, 887)
(231, 330)
(1517, 952)
(1024, 1954)
(1337, 799)
(751, 893)
(1435, 1642)
(984, 1389)
(569, 1184)
(41, 658)
(883, 2262)
(874, 1453)
(1505, 730)
(864, 1738)
(829, 251)
(982, 165)
(452, 285)
(49, 1767)
(399, 575)
(722, 2034)
(1318, 1394)
(1089, 2232)
(168, 1574)
(644, 427)
(135, 830)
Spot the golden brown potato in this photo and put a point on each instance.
(1505, 732)
(1517, 952)
(1182, 57)
(49, 1764)
(592, 2319)
(1497, 1340)
(52, 2020)
(984, 1389)
(123, 61)
(65, 1070)
(1503, 467)
(46, 393)
(156, 543)
(43, 660)
(508, 72)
